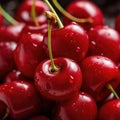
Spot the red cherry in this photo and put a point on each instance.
(29, 52)
(117, 23)
(110, 111)
(21, 98)
(85, 9)
(11, 32)
(104, 41)
(6, 57)
(58, 85)
(70, 41)
(81, 107)
(23, 12)
(98, 72)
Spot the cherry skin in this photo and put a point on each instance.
(98, 72)
(58, 85)
(29, 52)
(21, 98)
(6, 57)
(11, 32)
(70, 41)
(104, 41)
(82, 106)
(23, 12)
(110, 110)
(117, 23)
(85, 9)
(14, 75)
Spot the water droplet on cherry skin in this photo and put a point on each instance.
(78, 49)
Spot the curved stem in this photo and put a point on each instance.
(7, 16)
(33, 13)
(52, 9)
(113, 91)
(50, 21)
(69, 16)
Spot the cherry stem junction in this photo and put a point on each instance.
(113, 91)
(33, 13)
(68, 15)
(51, 18)
(8, 17)
(57, 17)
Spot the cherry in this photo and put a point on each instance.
(14, 75)
(70, 41)
(59, 85)
(85, 9)
(110, 110)
(82, 106)
(104, 41)
(29, 52)
(21, 98)
(6, 57)
(23, 12)
(117, 23)
(98, 73)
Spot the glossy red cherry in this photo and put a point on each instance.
(29, 52)
(104, 41)
(98, 72)
(23, 13)
(11, 32)
(21, 98)
(110, 111)
(6, 57)
(81, 107)
(58, 85)
(117, 23)
(85, 9)
(70, 41)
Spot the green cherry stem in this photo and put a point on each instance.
(113, 91)
(33, 13)
(8, 17)
(69, 16)
(51, 18)
(57, 17)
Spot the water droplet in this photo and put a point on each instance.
(93, 42)
(78, 49)
(71, 80)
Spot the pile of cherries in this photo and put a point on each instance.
(53, 70)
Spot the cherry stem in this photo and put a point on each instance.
(68, 15)
(113, 91)
(51, 18)
(6, 114)
(33, 13)
(57, 17)
(8, 17)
